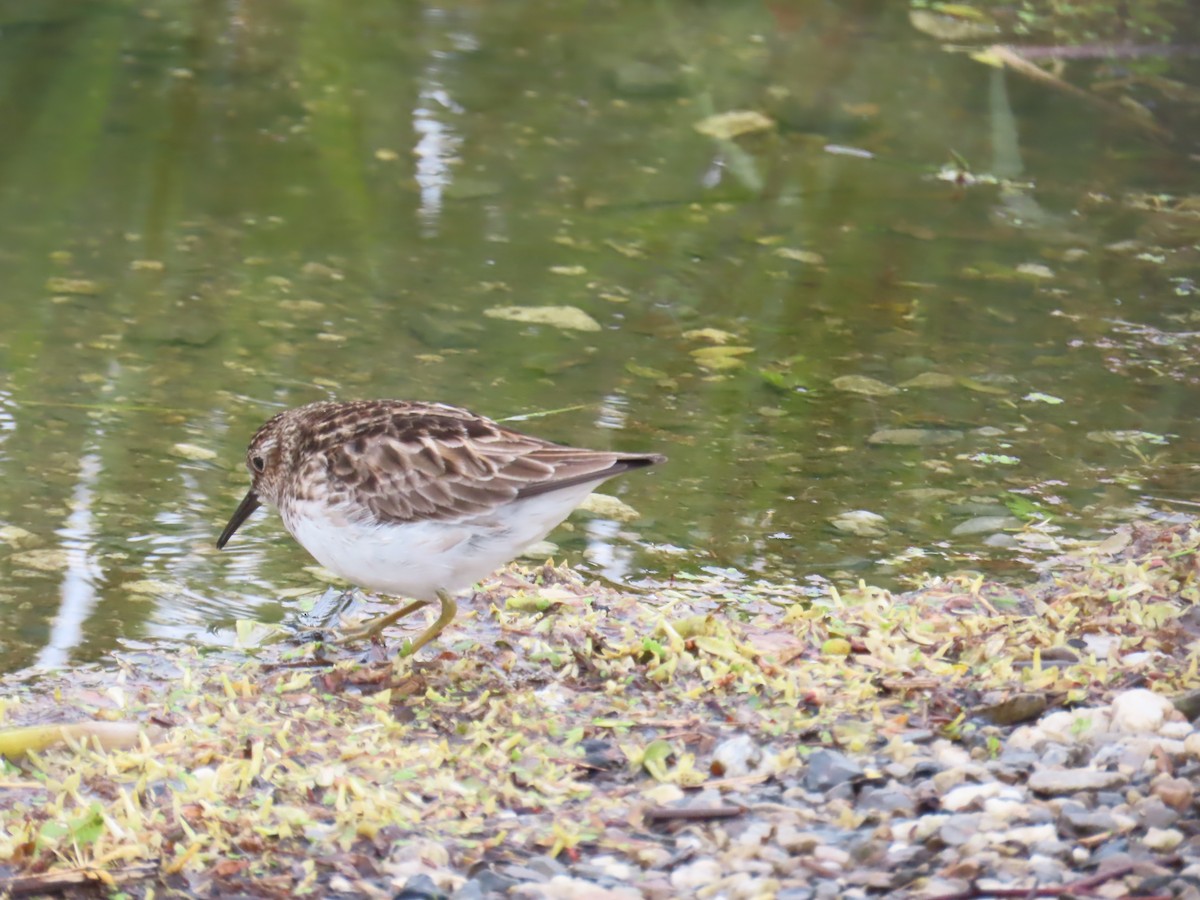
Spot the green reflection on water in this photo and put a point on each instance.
(209, 213)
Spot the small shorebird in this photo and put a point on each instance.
(412, 499)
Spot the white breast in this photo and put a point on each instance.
(416, 559)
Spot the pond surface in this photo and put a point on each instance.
(916, 286)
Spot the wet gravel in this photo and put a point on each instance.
(1091, 802)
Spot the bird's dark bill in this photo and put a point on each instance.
(248, 505)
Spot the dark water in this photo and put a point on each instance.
(211, 211)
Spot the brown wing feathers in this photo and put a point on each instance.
(436, 462)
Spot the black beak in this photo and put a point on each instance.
(248, 505)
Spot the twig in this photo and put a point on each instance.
(693, 814)
(299, 664)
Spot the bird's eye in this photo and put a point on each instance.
(258, 462)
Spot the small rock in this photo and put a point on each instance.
(420, 887)
(829, 768)
(968, 796)
(518, 873)
(1025, 739)
(1013, 763)
(893, 798)
(1071, 781)
(944, 781)
(1069, 727)
(1029, 835)
(737, 757)
(1000, 811)
(563, 887)
(944, 887)
(1177, 793)
(1153, 813)
(470, 890)
(1176, 731)
(793, 840)
(546, 866)
(1045, 869)
(1140, 711)
(828, 855)
(1163, 840)
(957, 830)
(796, 893)
(1057, 756)
(695, 875)
(1086, 821)
(1191, 744)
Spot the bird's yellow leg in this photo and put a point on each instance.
(376, 625)
(449, 611)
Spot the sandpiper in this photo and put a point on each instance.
(413, 499)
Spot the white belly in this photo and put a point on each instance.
(417, 559)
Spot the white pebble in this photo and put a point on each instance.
(966, 796)
(1191, 744)
(696, 875)
(1163, 839)
(1140, 711)
(1177, 731)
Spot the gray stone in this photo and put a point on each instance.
(829, 768)
(1153, 813)
(492, 882)
(420, 887)
(797, 892)
(1046, 869)
(1087, 821)
(546, 866)
(518, 873)
(957, 830)
(1056, 756)
(893, 798)
(1072, 781)
(470, 890)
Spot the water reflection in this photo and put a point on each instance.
(203, 220)
(81, 572)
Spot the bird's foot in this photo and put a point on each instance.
(445, 617)
(372, 629)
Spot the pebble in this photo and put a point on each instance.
(1153, 813)
(970, 796)
(894, 799)
(1140, 711)
(829, 768)
(1177, 793)
(1163, 840)
(420, 887)
(1072, 781)
(693, 876)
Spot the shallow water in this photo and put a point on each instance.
(209, 213)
